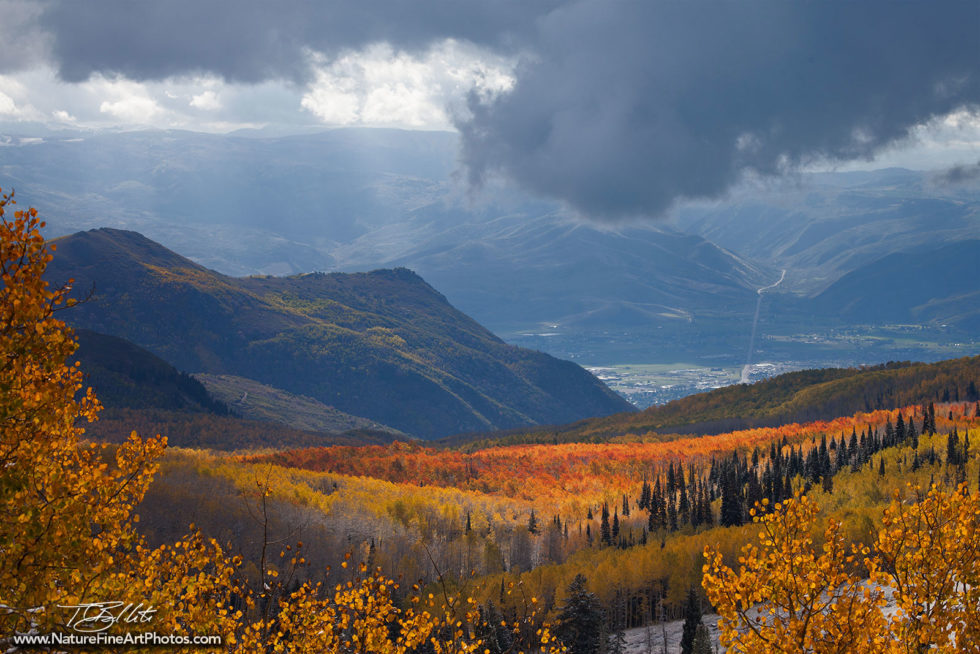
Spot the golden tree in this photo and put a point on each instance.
(66, 512)
(788, 596)
(928, 551)
(792, 596)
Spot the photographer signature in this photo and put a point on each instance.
(95, 617)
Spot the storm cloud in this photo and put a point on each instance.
(962, 174)
(258, 40)
(625, 111)
(619, 109)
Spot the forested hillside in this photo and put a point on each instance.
(125, 375)
(792, 397)
(634, 516)
(140, 391)
(382, 345)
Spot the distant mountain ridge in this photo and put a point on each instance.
(938, 284)
(383, 345)
(836, 223)
(361, 199)
(603, 293)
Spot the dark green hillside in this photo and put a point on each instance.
(793, 397)
(251, 399)
(125, 375)
(383, 345)
(141, 391)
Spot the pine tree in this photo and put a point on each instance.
(579, 623)
(616, 643)
(754, 492)
(496, 637)
(731, 501)
(684, 507)
(605, 533)
(692, 619)
(828, 484)
(645, 495)
(702, 641)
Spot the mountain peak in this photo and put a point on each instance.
(121, 246)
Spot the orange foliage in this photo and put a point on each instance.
(566, 474)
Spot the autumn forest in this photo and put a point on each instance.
(803, 526)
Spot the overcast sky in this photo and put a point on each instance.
(617, 108)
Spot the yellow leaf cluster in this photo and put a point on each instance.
(789, 595)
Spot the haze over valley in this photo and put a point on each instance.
(681, 290)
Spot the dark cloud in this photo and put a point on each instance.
(620, 108)
(628, 107)
(257, 40)
(964, 174)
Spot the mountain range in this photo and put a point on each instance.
(601, 293)
(382, 345)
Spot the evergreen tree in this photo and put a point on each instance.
(828, 483)
(645, 495)
(953, 448)
(532, 523)
(702, 641)
(496, 637)
(605, 533)
(685, 506)
(580, 620)
(706, 517)
(658, 508)
(731, 501)
(754, 493)
(692, 619)
(616, 643)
